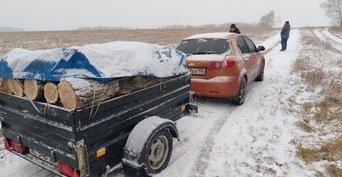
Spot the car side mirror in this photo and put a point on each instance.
(261, 48)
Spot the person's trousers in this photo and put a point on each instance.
(283, 43)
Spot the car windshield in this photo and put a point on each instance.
(204, 46)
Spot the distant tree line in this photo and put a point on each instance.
(266, 21)
(102, 28)
(223, 25)
(333, 10)
(264, 24)
(9, 29)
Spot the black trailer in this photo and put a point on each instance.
(135, 130)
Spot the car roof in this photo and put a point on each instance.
(217, 35)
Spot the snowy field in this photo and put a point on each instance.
(261, 138)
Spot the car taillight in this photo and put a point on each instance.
(7, 144)
(67, 170)
(215, 65)
(221, 64)
(230, 63)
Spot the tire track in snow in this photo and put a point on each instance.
(271, 42)
(190, 153)
(327, 37)
(202, 160)
(331, 36)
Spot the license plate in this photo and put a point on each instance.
(197, 71)
(42, 156)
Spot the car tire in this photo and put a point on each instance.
(157, 153)
(260, 77)
(239, 99)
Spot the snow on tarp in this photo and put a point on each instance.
(98, 61)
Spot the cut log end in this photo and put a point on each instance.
(16, 86)
(33, 89)
(4, 86)
(67, 95)
(51, 92)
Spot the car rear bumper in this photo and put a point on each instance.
(222, 86)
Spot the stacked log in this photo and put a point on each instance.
(135, 83)
(51, 92)
(4, 87)
(33, 89)
(16, 86)
(77, 93)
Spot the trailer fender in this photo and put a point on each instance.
(149, 146)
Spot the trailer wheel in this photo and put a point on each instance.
(158, 152)
(149, 147)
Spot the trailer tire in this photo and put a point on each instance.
(158, 152)
(148, 151)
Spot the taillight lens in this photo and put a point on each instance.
(67, 170)
(221, 64)
(17, 147)
(12, 145)
(230, 63)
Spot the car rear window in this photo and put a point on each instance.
(204, 46)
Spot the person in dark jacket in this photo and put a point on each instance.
(285, 34)
(234, 29)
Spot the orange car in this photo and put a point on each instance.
(223, 64)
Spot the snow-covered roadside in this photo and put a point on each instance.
(331, 36)
(328, 39)
(324, 63)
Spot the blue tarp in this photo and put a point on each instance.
(97, 61)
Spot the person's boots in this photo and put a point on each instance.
(285, 47)
(282, 48)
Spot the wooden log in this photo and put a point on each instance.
(4, 86)
(16, 86)
(131, 84)
(76, 93)
(51, 92)
(33, 89)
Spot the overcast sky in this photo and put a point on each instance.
(71, 14)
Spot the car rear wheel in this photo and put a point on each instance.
(260, 77)
(239, 99)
